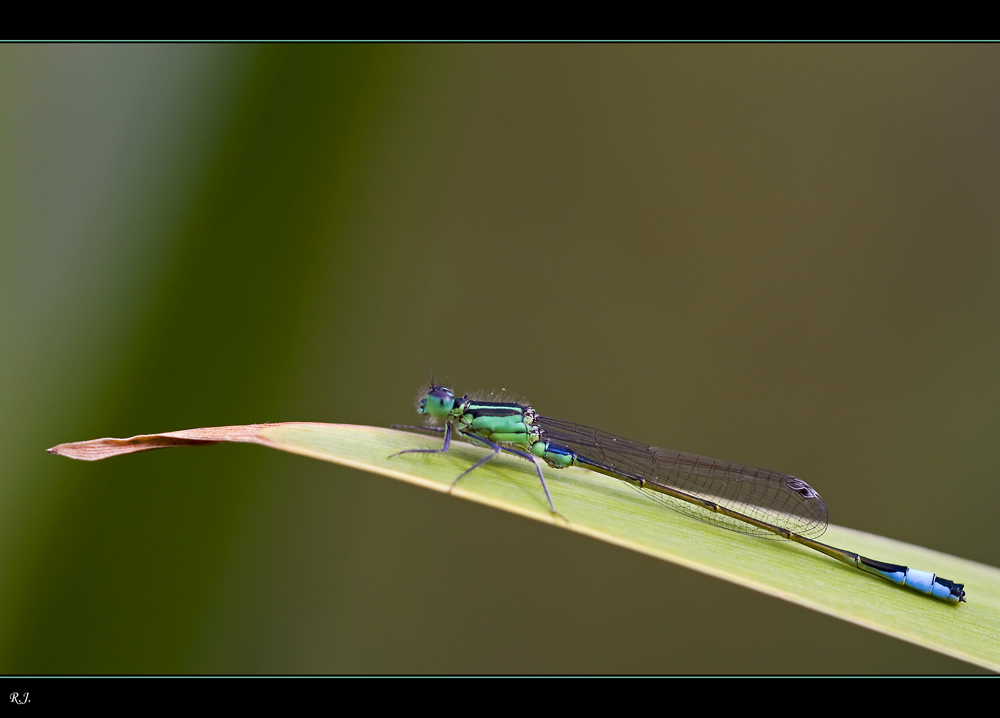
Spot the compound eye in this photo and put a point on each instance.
(441, 393)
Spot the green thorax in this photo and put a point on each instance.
(507, 423)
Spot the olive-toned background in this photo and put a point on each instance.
(782, 255)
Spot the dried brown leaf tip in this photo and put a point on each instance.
(103, 448)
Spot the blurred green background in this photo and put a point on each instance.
(782, 255)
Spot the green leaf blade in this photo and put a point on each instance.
(609, 510)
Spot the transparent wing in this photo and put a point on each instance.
(778, 499)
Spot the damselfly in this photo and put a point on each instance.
(740, 498)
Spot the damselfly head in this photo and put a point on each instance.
(438, 402)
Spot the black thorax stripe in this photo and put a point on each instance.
(477, 409)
